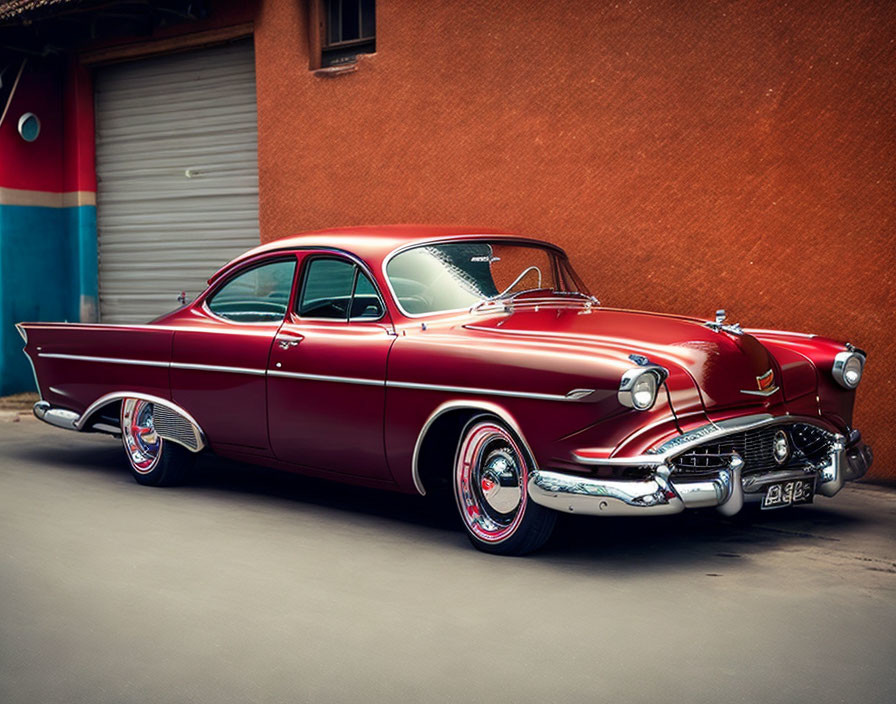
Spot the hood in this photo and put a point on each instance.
(721, 365)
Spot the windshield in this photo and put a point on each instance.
(456, 275)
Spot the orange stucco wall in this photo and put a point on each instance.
(689, 156)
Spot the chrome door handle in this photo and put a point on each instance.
(290, 341)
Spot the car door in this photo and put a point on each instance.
(327, 371)
(220, 359)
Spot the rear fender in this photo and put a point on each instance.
(171, 421)
(74, 364)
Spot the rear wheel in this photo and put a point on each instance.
(153, 460)
(491, 471)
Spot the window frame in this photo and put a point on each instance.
(358, 267)
(318, 37)
(249, 266)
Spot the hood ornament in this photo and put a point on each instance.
(719, 324)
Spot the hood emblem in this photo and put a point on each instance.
(719, 324)
(766, 381)
(766, 384)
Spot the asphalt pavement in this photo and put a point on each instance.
(251, 585)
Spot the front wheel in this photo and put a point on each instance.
(491, 471)
(153, 461)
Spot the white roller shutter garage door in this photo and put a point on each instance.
(177, 172)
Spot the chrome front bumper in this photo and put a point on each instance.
(665, 493)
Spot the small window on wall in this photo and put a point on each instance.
(341, 29)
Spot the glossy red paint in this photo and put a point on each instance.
(310, 412)
(350, 400)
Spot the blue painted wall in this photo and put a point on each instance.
(47, 264)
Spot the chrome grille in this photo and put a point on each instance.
(809, 446)
(172, 426)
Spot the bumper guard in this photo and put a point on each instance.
(664, 493)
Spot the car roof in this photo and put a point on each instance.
(373, 243)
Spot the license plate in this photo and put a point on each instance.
(789, 493)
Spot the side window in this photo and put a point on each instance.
(260, 295)
(366, 303)
(327, 289)
(337, 289)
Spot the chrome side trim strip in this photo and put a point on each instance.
(760, 331)
(574, 395)
(324, 377)
(217, 368)
(476, 391)
(152, 363)
(110, 360)
(767, 392)
(633, 461)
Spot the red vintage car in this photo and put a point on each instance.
(424, 359)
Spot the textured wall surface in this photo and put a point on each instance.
(47, 212)
(689, 156)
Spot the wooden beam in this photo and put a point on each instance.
(181, 42)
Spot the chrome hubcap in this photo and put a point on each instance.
(490, 482)
(501, 481)
(138, 433)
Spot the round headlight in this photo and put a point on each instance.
(638, 387)
(852, 372)
(848, 367)
(644, 391)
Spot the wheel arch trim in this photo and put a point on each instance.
(105, 400)
(474, 405)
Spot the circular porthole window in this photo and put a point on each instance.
(29, 127)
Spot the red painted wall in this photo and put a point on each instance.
(61, 159)
(34, 165)
(689, 156)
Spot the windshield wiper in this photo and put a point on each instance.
(503, 294)
(520, 278)
(588, 299)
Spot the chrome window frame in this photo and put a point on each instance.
(213, 291)
(337, 254)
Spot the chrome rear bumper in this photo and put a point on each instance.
(664, 492)
(60, 417)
